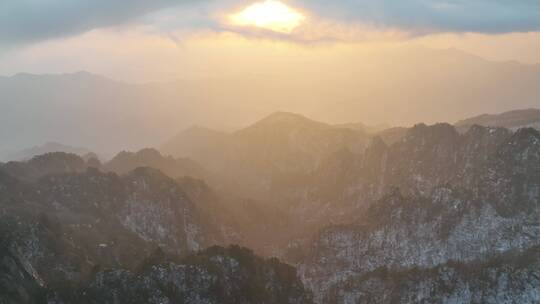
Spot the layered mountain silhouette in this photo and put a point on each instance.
(107, 116)
(432, 213)
(431, 196)
(269, 154)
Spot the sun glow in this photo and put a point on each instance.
(271, 15)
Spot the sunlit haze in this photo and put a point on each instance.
(270, 14)
(226, 64)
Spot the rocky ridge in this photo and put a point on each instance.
(483, 203)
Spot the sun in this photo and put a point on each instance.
(271, 15)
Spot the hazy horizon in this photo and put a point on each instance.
(226, 64)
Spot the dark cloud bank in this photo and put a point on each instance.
(484, 16)
(24, 21)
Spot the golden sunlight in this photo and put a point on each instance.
(271, 15)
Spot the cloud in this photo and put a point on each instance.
(24, 21)
(383, 20)
(428, 16)
(27, 21)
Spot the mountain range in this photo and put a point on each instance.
(423, 206)
(108, 116)
(332, 214)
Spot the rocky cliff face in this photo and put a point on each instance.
(346, 183)
(69, 225)
(19, 282)
(468, 198)
(426, 157)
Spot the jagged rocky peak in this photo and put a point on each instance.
(158, 210)
(521, 150)
(441, 150)
(126, 162)
(520, 153)
(526, 137)
(46, 164)
(124, 158)
(428, 134)
(479, 130)
(491, 136)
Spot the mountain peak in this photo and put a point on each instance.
(288, 119)
(529, 135)
(437, 131)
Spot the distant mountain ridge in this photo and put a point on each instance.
(512, 120)
(48, 147)
(83, 109)
(280, 145)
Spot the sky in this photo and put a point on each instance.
(225, 64)
(163, 40)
